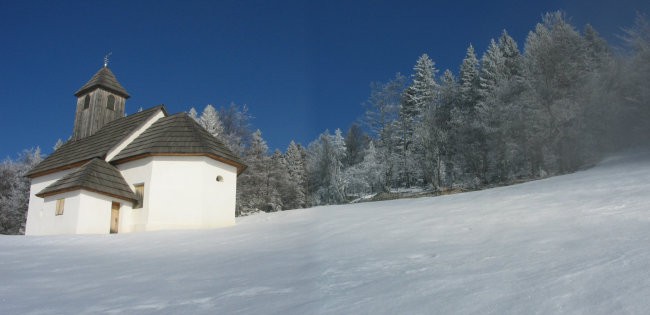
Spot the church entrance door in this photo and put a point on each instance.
(115, 216)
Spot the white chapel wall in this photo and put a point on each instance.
(137, 172)
(95, 213)
(181, 192)
(184, 193)
(59, 224)
(37, 223)
(220, 196)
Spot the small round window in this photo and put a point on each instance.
(220, 178)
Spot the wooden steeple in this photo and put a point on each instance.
(100, 101)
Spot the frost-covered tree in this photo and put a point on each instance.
(470, 147)
(294, 158)
(373, 168)
(417, 98)
(193, 114)
(597, 51)
(498, 111)
(601, 97)
(493, 69)
(236, 122)
(511, 55)
(634, 83)
(448, 102)
(254, 191)
(14, 191)
(422, 90)
(231, 125)
(556, 66)
(469, 79)
(325, 169)
(338, 155)
(58, 144)
(211, 122)
(279, 188)
(432, 139)
(381, 118)
(365, 177)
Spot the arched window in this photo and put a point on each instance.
(86, 101)
(110, 102)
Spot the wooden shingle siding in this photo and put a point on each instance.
(90, 120)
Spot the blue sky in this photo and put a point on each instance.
(301, 67)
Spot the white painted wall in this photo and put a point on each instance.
(184, 193)
(85, 212)
(95, 213)
(59, 224)
(181, 192)
(38, 222)
(137, 172)
(220, 197)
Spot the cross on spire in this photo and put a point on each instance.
(106, 59)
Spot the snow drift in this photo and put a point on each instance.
(577, 243)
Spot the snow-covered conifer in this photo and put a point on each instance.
(556, 66)
(58, 144)
(469, 79)
(193, 114)
(295, 164)
(210, 121)
(511, 55)
(325, 169)
(417, 98)
(253, 187)
(493, 69)
(422, 91)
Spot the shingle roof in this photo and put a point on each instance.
(179, 134)
(96, 175)
(106, 79)
(73, 153)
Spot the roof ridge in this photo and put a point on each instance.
(85, 169)
(82, 168)
(141, 128)
(95, 175)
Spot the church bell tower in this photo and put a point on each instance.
(99, 102)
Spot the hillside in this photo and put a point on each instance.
(576, 244)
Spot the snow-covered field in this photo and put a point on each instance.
(574, 244)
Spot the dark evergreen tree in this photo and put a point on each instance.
(356, 142)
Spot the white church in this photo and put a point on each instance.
(143, 172)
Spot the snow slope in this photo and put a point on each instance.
(574, 244)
